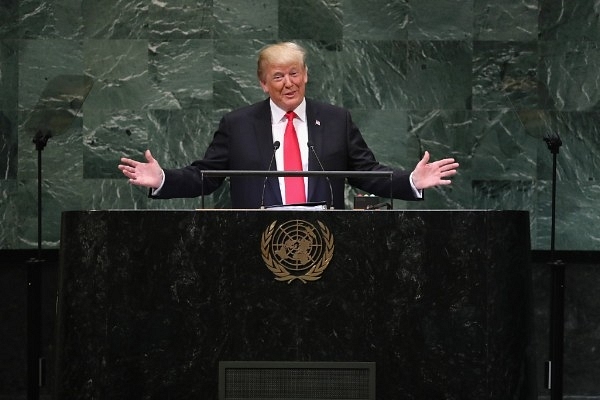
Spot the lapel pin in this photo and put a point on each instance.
(317, 122)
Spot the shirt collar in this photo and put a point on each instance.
(278, 114)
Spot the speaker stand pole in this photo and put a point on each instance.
(35, 362)
(557, 302)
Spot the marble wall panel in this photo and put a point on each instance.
(374, 74)
(439, 74)
(505, 75)
(235, 83)
(441, 20)
(178, 69)
(11, 219)
(49, 19)
(308, 19)
(576, 213)
(505, 20)
(329, 70)
(245, 19)
(375, 19)
(568, 75)
(47, 71)
(482, 81)
(386, 134)
(568, 20)
(9, 17)
(180, 19)
(9, 74)
(8, 143)
(106, 19)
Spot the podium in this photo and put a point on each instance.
(150, 302)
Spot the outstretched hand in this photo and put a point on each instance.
(427, 175)
(148, 174)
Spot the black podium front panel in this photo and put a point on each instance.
(151, 301)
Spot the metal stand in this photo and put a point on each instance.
(74, 89)
(35, 361)
(557, 302)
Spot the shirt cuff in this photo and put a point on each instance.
(417, 192)
(154, 192)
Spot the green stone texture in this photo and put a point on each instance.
(483, 81)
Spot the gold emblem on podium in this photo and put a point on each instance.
(297, 249)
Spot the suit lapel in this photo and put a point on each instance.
(264, 138)
(263, 133)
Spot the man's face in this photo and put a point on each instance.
(285, 84)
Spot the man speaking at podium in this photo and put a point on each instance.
(286, 132)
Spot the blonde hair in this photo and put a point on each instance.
(280, 53)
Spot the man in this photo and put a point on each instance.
(249, 139)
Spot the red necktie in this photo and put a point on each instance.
(294, 185)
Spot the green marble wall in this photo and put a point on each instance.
(480, 80)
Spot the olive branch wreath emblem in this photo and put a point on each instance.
(315, 268)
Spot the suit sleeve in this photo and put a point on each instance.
(361, 158)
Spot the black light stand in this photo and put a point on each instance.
(35, 361)
(557, 302)
(59, 104)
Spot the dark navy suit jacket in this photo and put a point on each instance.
(244, 141)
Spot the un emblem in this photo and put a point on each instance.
(297, 249)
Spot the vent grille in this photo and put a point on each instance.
(239, 380)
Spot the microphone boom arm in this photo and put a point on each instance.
(312, 148)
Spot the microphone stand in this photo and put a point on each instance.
(557, 302)
(55, 114)
(35, 363)
(40, 140)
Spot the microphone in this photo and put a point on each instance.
(276, 145)
(312, 148)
